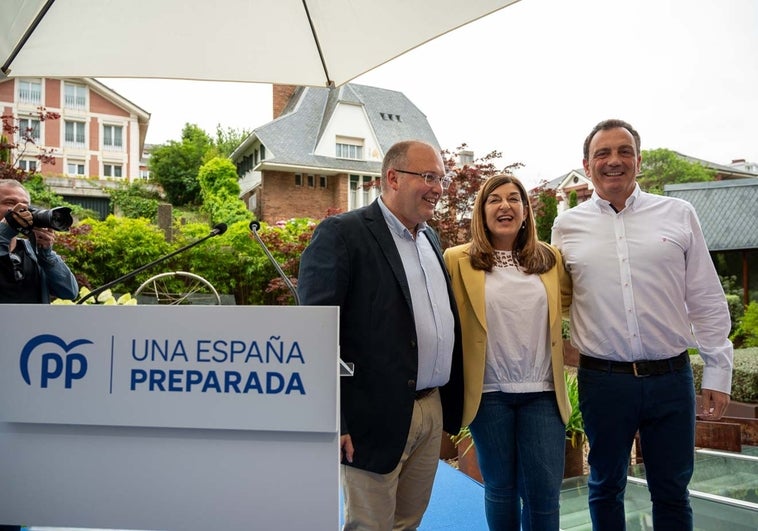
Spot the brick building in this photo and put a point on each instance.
(323, 149)
(99, 134)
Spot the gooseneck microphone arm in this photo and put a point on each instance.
(346, 368)
(254, 226)
(217, 230)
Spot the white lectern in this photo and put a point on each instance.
(169, 417)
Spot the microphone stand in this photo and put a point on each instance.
(254, 226)
(346, 368)
(218, 229)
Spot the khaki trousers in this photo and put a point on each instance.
(397, 501)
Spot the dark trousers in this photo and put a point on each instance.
(662, 407)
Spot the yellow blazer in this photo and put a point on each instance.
(468, 289)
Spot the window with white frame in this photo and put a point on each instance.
(29, 127)
(29, 91)
(74, 133)
(363, 191)
(113, 137)
(74, 96)
(75, 168)
(349, 148)
(28, 165)
(112, 170)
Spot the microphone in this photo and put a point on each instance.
(255, 225)
(217, 230)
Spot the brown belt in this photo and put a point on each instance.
(637, 368)
(423, 393)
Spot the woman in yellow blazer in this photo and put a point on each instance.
(509, 288)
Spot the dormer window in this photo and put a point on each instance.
(349, 148)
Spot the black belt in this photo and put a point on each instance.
(423, 393)
(637, 368)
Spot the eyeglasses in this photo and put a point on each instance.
(18, 269)
(431, 179)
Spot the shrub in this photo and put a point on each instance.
(746, 334)
(744, 376)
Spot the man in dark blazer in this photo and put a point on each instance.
(382, 265)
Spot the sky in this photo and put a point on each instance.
(531, 81)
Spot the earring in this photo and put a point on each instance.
(523, 225)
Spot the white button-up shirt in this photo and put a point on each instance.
(644, 284)
(435, 325)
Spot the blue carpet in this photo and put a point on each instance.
(457, 502)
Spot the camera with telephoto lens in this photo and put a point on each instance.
(58, 218)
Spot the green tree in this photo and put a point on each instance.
(220, 190)
(545, 207)
(573, 199)
(662, 166)
(175, 165)
(227, 140)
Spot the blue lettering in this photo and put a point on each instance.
(218, 348)
(211, 383)
(202, 348)
(175, 380)
(295, 384)
(156, 380)
(193, 378)
(254, 352)
(71, 374)
(134, 351)
(138, 376)
(253, 383)
(295, 353)
(179, 351)
(231, 381)
(47, 372)
(271, 348)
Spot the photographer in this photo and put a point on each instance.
(30, 271)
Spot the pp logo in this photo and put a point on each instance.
(54, 362)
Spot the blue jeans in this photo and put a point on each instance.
(662, 407)
(520, 444)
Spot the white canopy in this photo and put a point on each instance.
(298, 42)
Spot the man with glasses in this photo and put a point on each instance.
(382, 265)
(30, 271)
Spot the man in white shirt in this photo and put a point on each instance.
(644, 290)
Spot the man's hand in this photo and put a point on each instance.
(346, 445)
(20, 218)
(45, 238)
(713, 404)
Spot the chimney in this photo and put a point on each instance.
(282, 95)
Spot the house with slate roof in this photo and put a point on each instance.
(323, 150)
(729, 218)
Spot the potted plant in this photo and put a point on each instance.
(467, 461)
(575, 436)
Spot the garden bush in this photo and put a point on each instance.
(744, 376)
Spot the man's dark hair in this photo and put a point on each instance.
(613, 123)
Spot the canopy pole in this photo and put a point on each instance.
(28, 33)
(329, 82)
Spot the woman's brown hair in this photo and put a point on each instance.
(534, 256)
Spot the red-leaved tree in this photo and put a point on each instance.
(12, 151)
